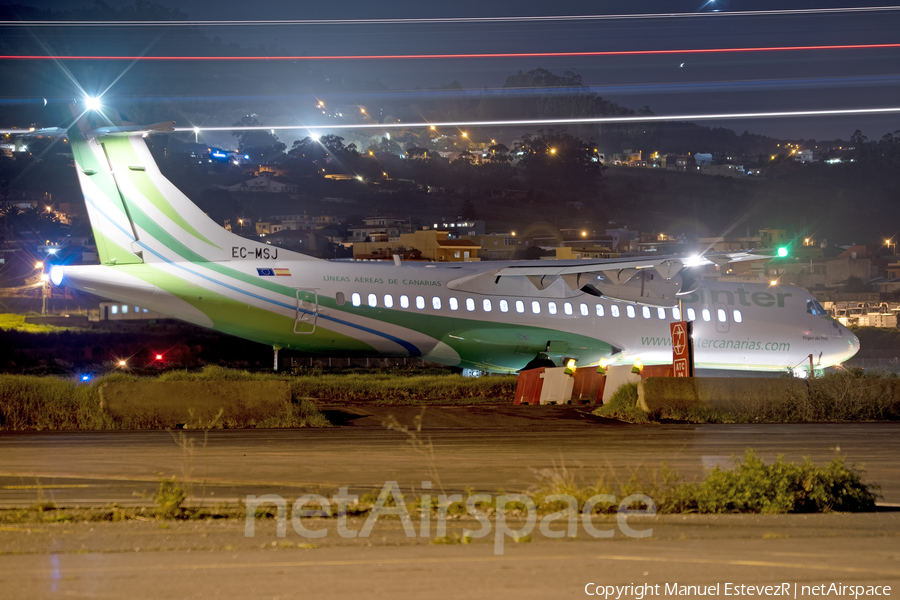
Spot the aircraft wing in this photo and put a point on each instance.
(652, 280)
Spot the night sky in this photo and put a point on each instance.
(668, 84)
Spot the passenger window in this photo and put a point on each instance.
(388, 301)
(567, 308)
(706, 315)
(585, 311)
(536, 307)
(721, 315)
(520, 306)
(661, 313)
(470, 304)
(629, 310)
(504, 306)
(454, 305)
(551, 308)
(436, 303)
(614, 310)
(692, 315)
(124, 309)
(420, 302)
(600, 311)
(373, 300)
(676, 313)
(645, 311)
(738, 317)
(404, 301)
(339, 298)
(356, 299)
(486, 305)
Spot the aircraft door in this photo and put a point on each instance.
(722, 317)
(307, 311)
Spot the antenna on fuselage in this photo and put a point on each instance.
(397, 260)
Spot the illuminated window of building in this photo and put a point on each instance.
(114, 309)
(436, 303)
(470, 304)
(504, 306)
(124, 309)
(420, 302)
(454, 304)
(536, 307)
(486, 305)
(388, 301)
(520, 306)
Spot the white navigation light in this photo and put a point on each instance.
(314, 136)
(56, 274)
(92, 103)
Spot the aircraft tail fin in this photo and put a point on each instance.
(139, 215)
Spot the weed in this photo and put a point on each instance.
(451, 540)
(420, 445)
(623, 406)
(169, 500)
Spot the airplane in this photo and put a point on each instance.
(159, 251)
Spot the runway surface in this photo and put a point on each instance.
(486, 448)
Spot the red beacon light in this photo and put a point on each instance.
(159, 357)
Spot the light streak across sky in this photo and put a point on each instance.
(452, 20)
(459, 56)
(528, 122)
(574, 121)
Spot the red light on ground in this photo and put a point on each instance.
(159, 357)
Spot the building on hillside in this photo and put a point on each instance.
(722, 170)
(584, 251)
(391, 227)
(432, 245)
(496, 246)
(265, 182)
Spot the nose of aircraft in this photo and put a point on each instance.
(854, 342)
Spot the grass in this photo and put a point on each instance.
(622, 405)
(29, 403)
(17, 323)
(839, 396)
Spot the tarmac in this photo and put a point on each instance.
(485, 448)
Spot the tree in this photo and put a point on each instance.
(561, 165)
(261, 146)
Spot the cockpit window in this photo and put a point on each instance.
(814, 308)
